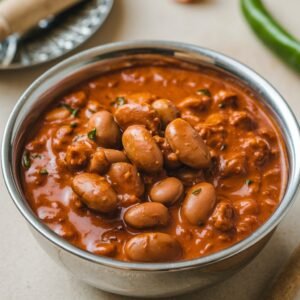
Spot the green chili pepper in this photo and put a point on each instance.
(272, 33)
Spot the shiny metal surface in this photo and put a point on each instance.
(55, 36)
(144, 279)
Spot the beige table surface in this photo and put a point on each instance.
(26, 272)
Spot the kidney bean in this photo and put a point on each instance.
(153, 247)
(107, 132)
(104, 249)
(114, 156)
(166, 191)
(125, 179)
(141, 149)
(199, 203)
(95, 192)
(166, 110)
(58, 113)
(195, 103)
(147, 215)
(187, 144)
(103, 158)
(188, 176)
(137, 114)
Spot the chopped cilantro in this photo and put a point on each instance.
(119, 101)
(92, 134)
(205, 92)
(44, 172)
(196, 192)
(26, 160)
(73, 111)
(249, 182)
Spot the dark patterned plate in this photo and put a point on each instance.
(55, 37)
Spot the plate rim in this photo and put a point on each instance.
(18, 66)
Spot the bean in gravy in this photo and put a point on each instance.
(155, 164)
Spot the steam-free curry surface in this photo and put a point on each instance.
(155, 164)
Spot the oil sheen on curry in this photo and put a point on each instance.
(155, 164)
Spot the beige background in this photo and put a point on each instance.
(26, 272)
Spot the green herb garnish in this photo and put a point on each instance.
(119, 101)
(92, 134)
(67, 106)
(249, 182)
(73, 111)
(44, 172)
(26, 160)
(196, 192)
(205, 92)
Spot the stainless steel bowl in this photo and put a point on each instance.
(144, 279)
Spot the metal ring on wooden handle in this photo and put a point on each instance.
(287, 284)
(19, 16)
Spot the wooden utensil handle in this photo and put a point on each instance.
(287, 284)
(19, 16)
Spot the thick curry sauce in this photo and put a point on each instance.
(155, 164)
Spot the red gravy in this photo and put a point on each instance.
(219, 145)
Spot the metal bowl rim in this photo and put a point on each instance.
(237, 69)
